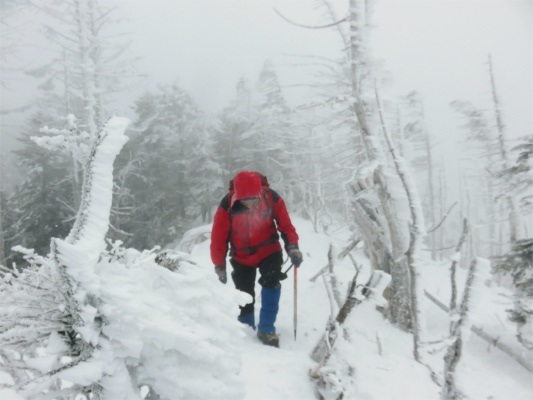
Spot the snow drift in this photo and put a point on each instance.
(104, 323)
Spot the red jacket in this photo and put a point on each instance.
(252, 233)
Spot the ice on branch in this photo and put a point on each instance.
(71, 141)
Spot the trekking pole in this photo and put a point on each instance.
(288, 269)
(295, 301)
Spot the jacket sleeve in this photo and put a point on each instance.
(220, 235)
(288, 232)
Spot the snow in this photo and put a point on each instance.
(178, 332)
(484, 372)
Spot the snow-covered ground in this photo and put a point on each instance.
(381, 354)
(270, 374)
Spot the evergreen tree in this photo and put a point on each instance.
(518, 179)
(165, 169)
(40, 206)
(232, 139)
(272, 133)
(204, 175)
(90, 66)
(518, 262)
(482, 191)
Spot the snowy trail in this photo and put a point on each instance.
(282, 374)
(384, 368)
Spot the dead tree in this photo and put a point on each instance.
(417, 229)
(386, 236)
(356, 295)
(511, 201)
(342, 254)
(453, 354)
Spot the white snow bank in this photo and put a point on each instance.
(176, 332)
(139, 323)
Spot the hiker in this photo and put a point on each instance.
(249, 218)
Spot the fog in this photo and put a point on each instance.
(437, 47)
(381, 199)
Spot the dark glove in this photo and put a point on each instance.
(295, 254)
(221, 272)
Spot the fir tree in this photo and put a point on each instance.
(518, 262)
(163, 191)
(40, 206)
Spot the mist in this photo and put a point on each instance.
(389, 146)
(439, 48)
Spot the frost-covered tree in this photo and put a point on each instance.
(41, 205)
(256, 132)
(271, 130)
(505, 160)
(233, 122)
(415, 141)
(168, 174)
(205, 175)
(386, 207)
(480, 189)
(490, 144)
(4, 219)
(517, 263)
(90, 323)
(392, 224)
(325, 147)
(90, 66)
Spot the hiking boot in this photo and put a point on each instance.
(270, 339)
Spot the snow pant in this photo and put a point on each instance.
(244, 278)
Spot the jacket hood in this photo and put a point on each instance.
(246, 184)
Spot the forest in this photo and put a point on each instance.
(105, 201)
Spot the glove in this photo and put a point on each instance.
(295, 254)
(221, 272)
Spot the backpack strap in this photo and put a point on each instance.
(268, 195)
(251, 250)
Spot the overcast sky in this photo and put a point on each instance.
(438, 47)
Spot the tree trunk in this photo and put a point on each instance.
(431, 207)
(513, 208)
(453, 269)
(2, 248)
(87, 67)
(453, 354)
(417, 231)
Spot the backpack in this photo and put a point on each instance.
(269, 198)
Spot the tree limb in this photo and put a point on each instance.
(309, 26)
(454, 264)
(342, 254)
(443, 219)
(524, 362)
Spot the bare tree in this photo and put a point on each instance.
(453, 354)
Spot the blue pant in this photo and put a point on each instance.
(269, 309)
(244, 278)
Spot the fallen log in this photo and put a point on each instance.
(524, 362)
